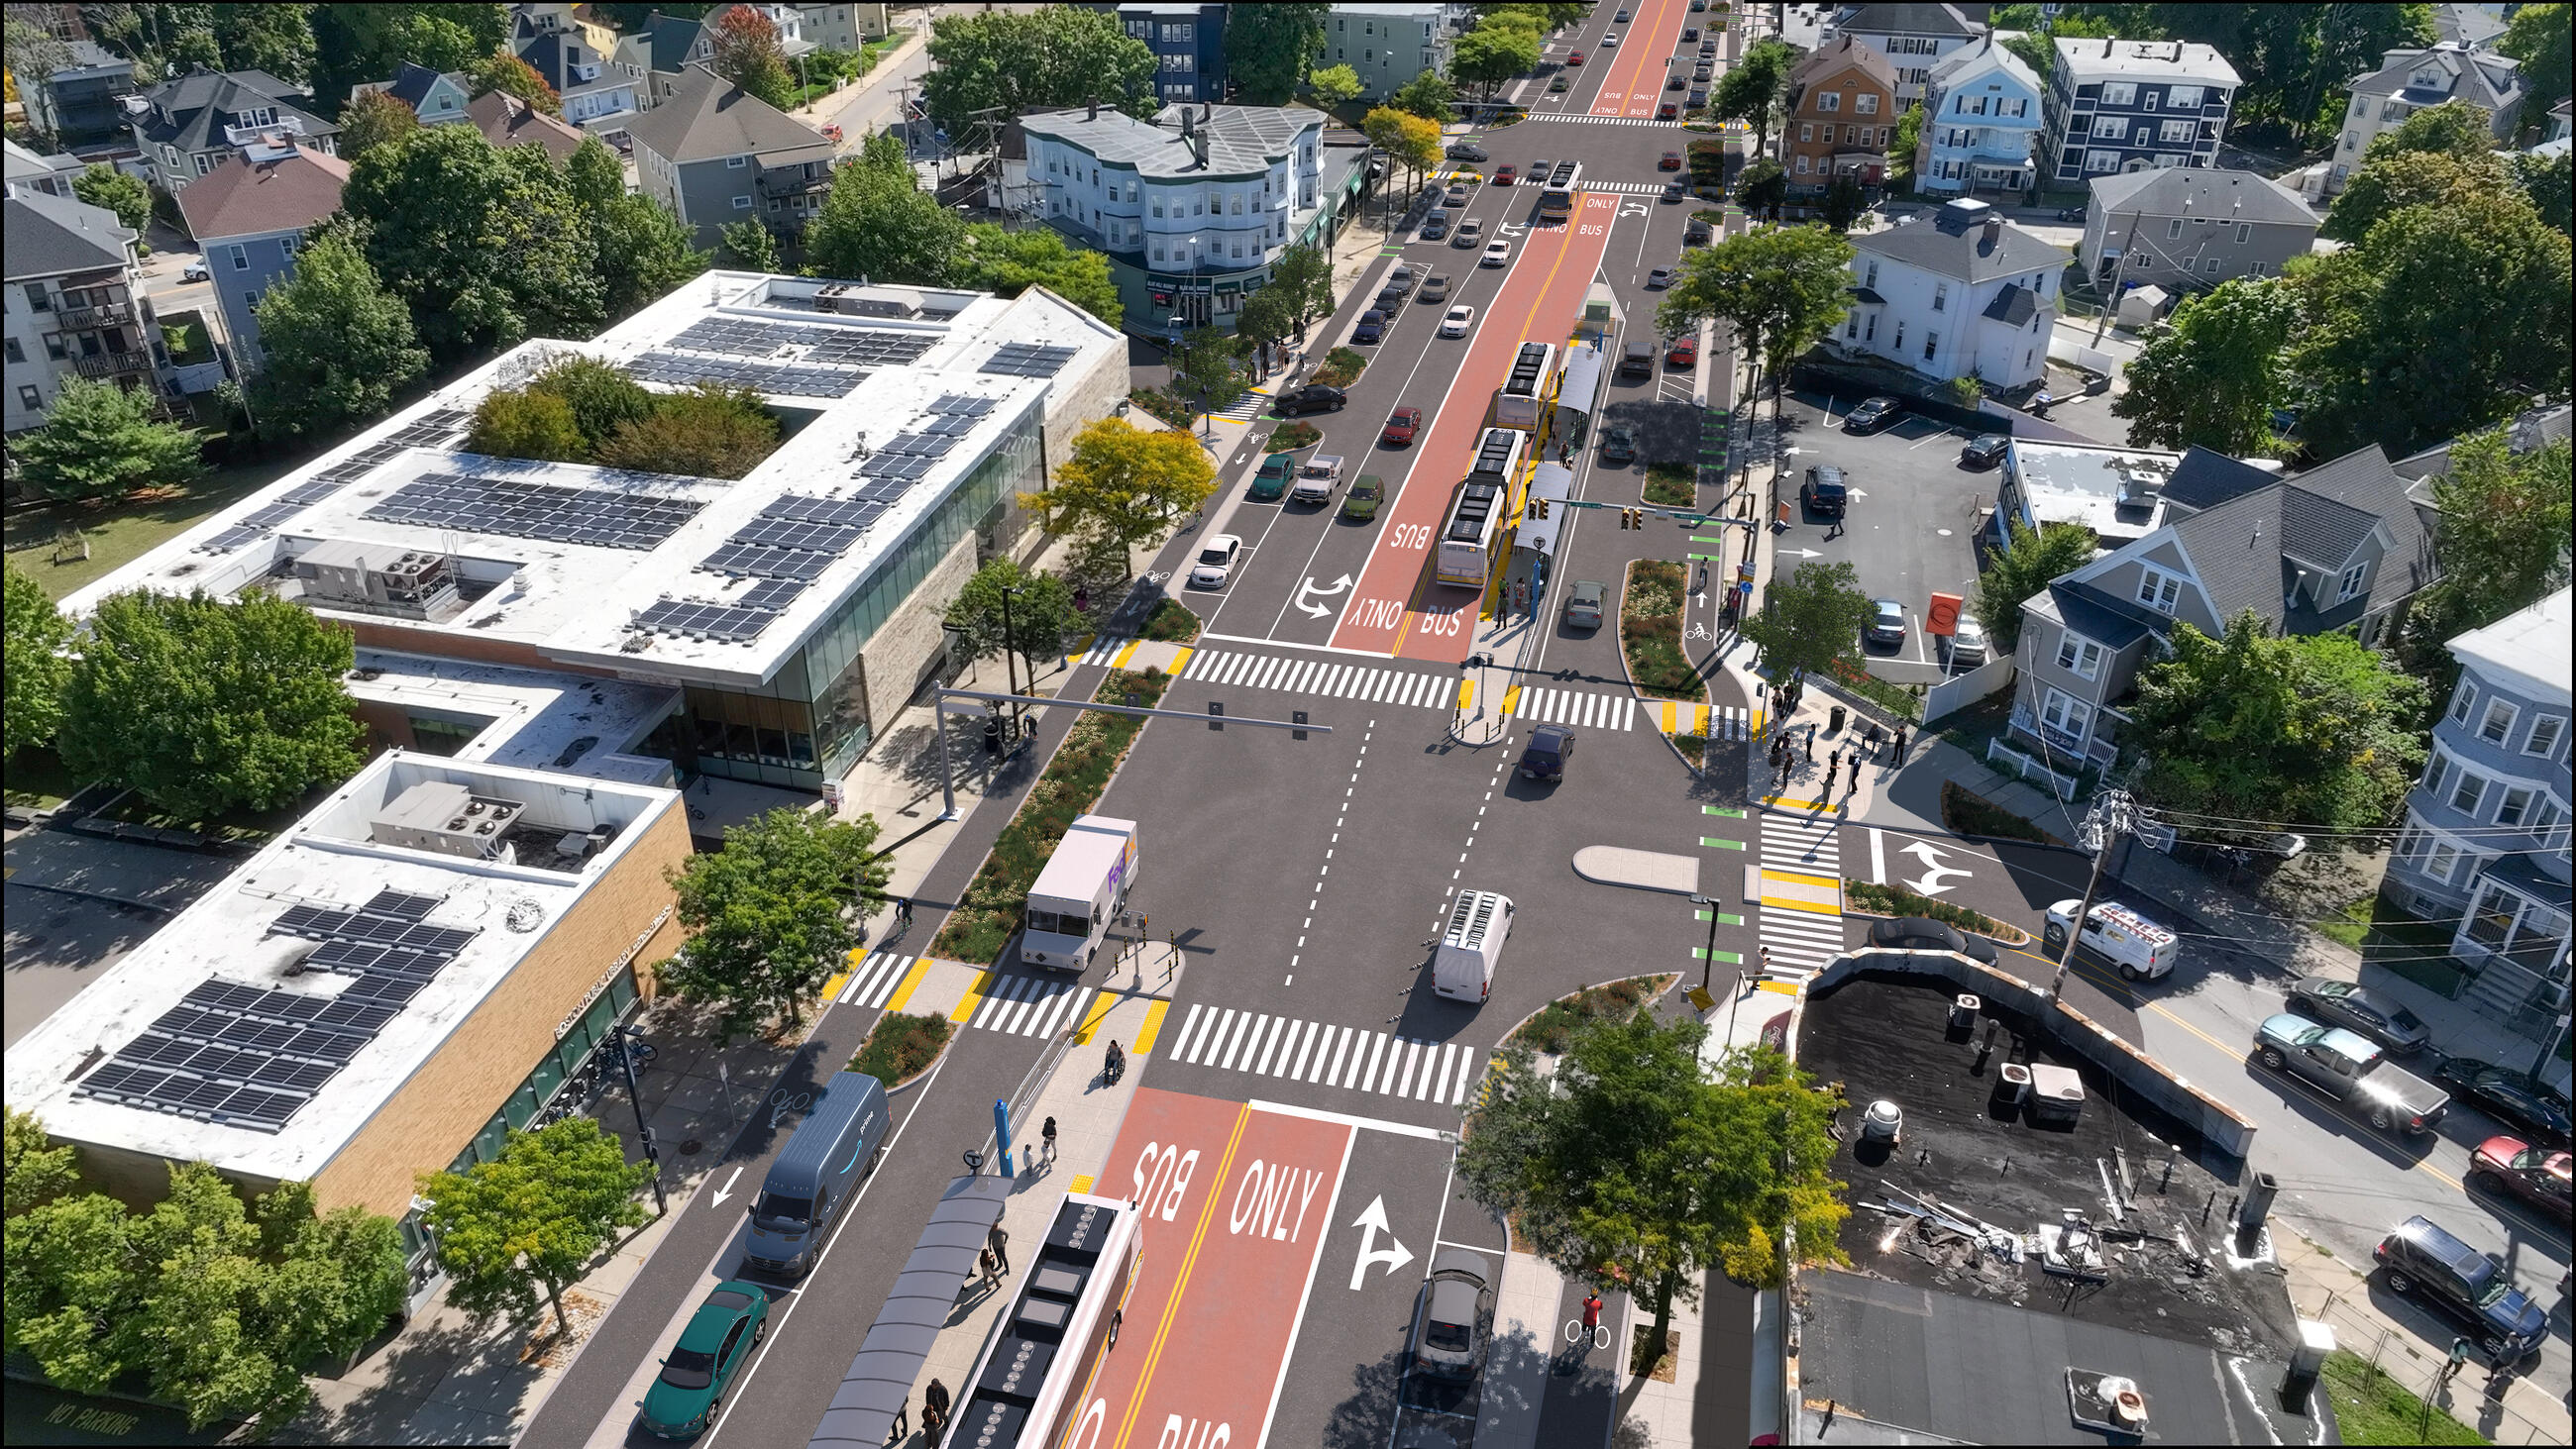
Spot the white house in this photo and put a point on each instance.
(1963, 294)
(2408, 81)
(1983, 111)
(1914, 38)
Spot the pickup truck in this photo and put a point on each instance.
(2346, 1068)
(1317, 479)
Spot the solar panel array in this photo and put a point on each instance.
(435, 429)
(838, 346)
(512, 508)
(782, 379)
(251, 1056)
(687, 618)
(1029, 359)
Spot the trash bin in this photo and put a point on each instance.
(1834, 725)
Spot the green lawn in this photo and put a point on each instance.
(121, 533)
(2370, 1408)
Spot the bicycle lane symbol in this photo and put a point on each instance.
(783, 1103)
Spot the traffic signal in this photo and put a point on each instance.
(1538, 508)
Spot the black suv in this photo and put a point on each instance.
(1314, 397)
(1550, 747)
(2467, 1286)
(1825, 494)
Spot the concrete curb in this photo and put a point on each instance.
(1602, 869)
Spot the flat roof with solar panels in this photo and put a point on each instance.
(264, 1026)
(891, 396)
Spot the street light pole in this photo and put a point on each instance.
(627, 1039)
(1708, 958)
(2112, 814)
(1008, 671)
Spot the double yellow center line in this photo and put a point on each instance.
(1181, 1284)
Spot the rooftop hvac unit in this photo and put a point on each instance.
(442, 816)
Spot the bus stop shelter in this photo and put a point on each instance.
(890, 1357)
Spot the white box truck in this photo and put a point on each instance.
(1085, 883)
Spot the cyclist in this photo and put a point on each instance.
(1591, 1313)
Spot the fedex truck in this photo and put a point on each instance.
(1085, 883)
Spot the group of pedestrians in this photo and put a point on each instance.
(1789, 750)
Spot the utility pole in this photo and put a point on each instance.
(2111, 817)
(2103, 322)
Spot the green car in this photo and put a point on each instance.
(1360, 504)
(712, 1349)
(1271, 483)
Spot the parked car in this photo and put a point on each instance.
(1874, 414)
(1618, 444)
(1455, 196)
(712, 1349)
(1367, 492)
(1698, 97)
(2537, 1175)
(2528, 1106)
(1825, 493)
(1585, 604)
(1449, 1316)
(1371, 327)
(1497, 254)
(2357, 1008)
(2116, 932)
(1435, 226)
(2349, 1071)
(1270, 480)
(1985, 450)
(1886, 623)
(1695, 234)
(1392, 295)
(1314, 397)
(1436, 290)
(1674, 81)
(1467, 151)
(1556, 83)
(1690, 33)
(2070, 213)
(2470, 1288)
(1506, 175)
(1676, 189)
(833, 133)
(1659, 277)
(1215, 562)
(1922, 933)
(1471, 233)
(1575, 59)
(1684, 353)
(1401, 425)
(1672, 161)
(1969, 647)
(195, 271)
(1549, 748)
(1458, 321)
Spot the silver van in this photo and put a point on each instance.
(813, 1178)
(1463, 968)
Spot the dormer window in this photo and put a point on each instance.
(2353, 580)
(2159, 590)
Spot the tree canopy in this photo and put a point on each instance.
(1268, 49)
(202, 706)
(1810, 621)
(1750, 90)
(2536, 35)
(1007, 263)
(528, 1222)
(105, 186)
(2502, 541)
(372, 119)
(876, 222)
(1500, 47)
(773, 914)
(1013, 63)
(1039, 613)
(37, 669)
(100, 441)
(1428, 95)
(504, 72)
(336, 346)
(1333, 85)
(749, 53)
(1124, 484)
(354, 43)
(1410, 141)
(2013, 574)
(1634, 1167)
(1781, 289)
(2311, 730)
(2213, 372)
(748, 246)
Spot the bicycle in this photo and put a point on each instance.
(1579, 1343)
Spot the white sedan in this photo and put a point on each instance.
(194, 271)
(1216, 562)
(1458, 321)
(1498, 254)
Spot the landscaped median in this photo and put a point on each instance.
(1071, 785)
(1860, 898)
(1650, 636)
(900, 1048)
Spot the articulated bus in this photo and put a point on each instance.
(1524, 393)
(1482, 503)
(1032, 1384)
(1557, 189)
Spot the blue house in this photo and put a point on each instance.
(248, 215)
(1982, 114)
(1188, 42)
(2135, 105)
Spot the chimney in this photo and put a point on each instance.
(1186, 131)
(2106, 48)
(1095, 110)
(1994, 232)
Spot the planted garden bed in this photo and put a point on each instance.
(1650, 630)
(901, 1047)
(1554, 1026)
(1671, 485)
(1860, 898)
(1171, 622)
(1341, 367)
(1289, 436)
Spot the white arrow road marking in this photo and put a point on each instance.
(727, 1190)
(1802, 552)
(1371, 1222)
(1929, 883)
(1311, 587)
(1877, 857)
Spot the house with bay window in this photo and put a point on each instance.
(2484, 849)
(2340, 547)
(1982, 110)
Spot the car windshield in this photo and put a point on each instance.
(1211, 555)
(689, 1369)
(2491, 1292)
(2405, 1020)
(780, 1208)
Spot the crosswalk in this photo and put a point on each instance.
(1604, 120)
(1627, 188)
(1353, 1058)
(874, 979)
(1018, 1004)
(1106, 648)
(1322, 678)
(1801, 894)
(1243, 409)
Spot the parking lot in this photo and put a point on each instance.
(1913, 518)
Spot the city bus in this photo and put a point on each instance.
(1477, 512)
(1556, 193)
(1524, 393)
(1032, 1384)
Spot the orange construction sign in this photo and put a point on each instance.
(1943, 618)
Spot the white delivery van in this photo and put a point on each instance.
(1463, 968)
(1085, 883)
(2119, 935)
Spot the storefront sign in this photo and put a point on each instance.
(564, 1028)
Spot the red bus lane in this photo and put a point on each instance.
(1235, 1205)
(1397, 607)
(1635, 82)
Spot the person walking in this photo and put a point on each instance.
(936, 1397)
(1000, 1242)
(1766, 960)
(1811, 742)
(1591, 1313)
(1828, 793)
(989, 1267)
(1900, 745)
(1046, 1134)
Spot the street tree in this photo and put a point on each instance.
(105, 186)
(1844, 202)
(1265, 321)
(1635, 1167)
(1762, 188)
(212, 1304)
(373, 119)
(1492, 53)
(2536, 35)
(504, 72)
(487, 246)
(749, 53)
(337, 347)
(1409, 141)
(1004, 607)
(2502, 544)
(37, 635)
(1210, 368)
(2015, 573)
(747, 246)
(1780, 288)
(1269, 47)
(1811, 621)
(1305, 273)
(2309, 730)
(100, 442)
(522, 1227)
(877, 222)
(773, 914)
(271, 37)
(1010, 63)
(1333, 85)
(1124, 485)
(1428, 95)
(1750, 90)
(2213, 372)
(707, 430)
(203, 706)
(1007, 263)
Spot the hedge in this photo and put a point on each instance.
(1879, 900)
(901, 1047)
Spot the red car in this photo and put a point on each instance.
(1506, 175)
(1668, 112)
(1672, 162)
(1685, 353)
(1401, 425)
(1575, 59)
(2534, 1174)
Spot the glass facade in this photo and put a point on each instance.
(613, 1006)
(809, 722)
